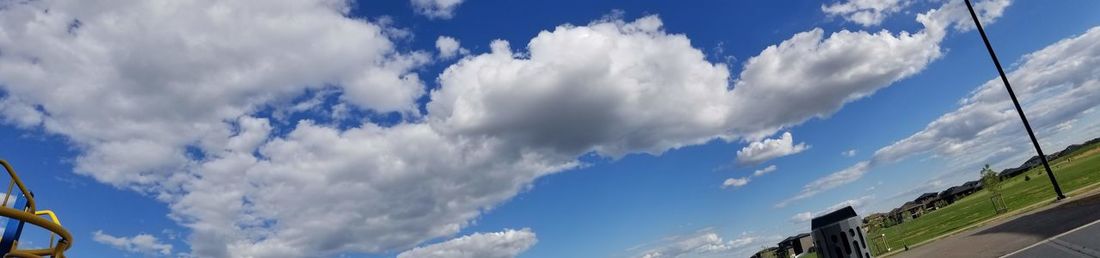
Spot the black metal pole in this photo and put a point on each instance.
(1016, 102)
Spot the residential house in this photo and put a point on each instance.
(795, 245)
(769, 252)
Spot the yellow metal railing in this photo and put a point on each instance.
(33, 216)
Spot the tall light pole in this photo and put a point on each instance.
(1016, 102)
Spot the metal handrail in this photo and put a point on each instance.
(63, 244)
(32, 215)
(22, 188)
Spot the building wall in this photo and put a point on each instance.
(805, 243)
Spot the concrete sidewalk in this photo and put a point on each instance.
(1013, 234)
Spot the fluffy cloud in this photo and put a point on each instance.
(131, 84)
(834, 180)
(238, 185)
(141, 243)
(508, 243)
(844, 67)
(762, 171)
(610, 87)
(157, 97)
(412, 184)
(768, 149)
(449, 47)
(865, 12)
(735, 182)
(704, 243)
(848, 153)
(167, 99)
(1056, 84)
(873, 12)
(436, 9)
(955, 12)
(772, 91)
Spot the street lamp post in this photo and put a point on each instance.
(1016, 102)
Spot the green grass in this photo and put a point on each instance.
(1017, 193)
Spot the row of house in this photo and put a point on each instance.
(923, 204)
(1035, 161)
(931, 201)
(792, 246)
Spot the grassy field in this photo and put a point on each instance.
(1074, 171)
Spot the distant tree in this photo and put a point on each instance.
(990, 180)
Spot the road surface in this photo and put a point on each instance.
(1080, 242)
(1070, 228)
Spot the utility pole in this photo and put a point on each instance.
(1020, 110)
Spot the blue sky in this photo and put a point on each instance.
(602, 129)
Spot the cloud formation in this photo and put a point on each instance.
(865, 12)
(834, 180)
(763, 171)
(610, 87)
(436, 9)
(131, 97)
(704, 243)
(735, 182)
(141, 243)
(768, 149)
(449, 47)
(872, 12)
(505, 244)
(1056, 84)
(174, 109)
(844, 66)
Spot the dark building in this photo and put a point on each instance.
(838, 234)
(770, 252)
(928, 200)
(795, 245)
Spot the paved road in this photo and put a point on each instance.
(1080, 242)
(1072, 227)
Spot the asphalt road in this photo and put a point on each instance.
(1080, 242)
(1070, 228)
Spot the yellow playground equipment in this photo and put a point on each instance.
(18, 208)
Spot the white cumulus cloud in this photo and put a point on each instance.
(504, 244)
(763, 171)
(141, 243)
(167, 99)
(735, 182)
(865, 12)
(936, 21)
(610, 87)
(449, 47)
(768, 149)
(1055, 84)
(704, 243)
(436, 9)
(873, 12)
